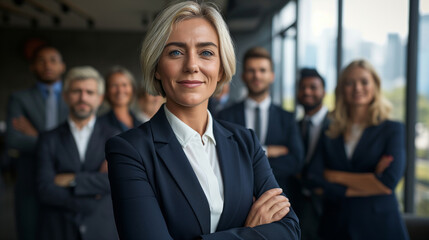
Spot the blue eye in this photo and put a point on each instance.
(174, 53)
(207, 53)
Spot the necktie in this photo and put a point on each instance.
(257, 127)
(306, 133)
(51, 109)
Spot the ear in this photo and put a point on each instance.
(157, 75)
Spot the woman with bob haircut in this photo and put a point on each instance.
(120, 92)
(362, 159)
(184, 175)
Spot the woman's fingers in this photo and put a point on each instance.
(269, 207)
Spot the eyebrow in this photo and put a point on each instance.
(181, 44)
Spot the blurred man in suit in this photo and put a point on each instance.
(311, 91)
(275, 128)
(30, 112)
(72, 178)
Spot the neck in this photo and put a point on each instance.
(120, 110)
(358, 114)
(313, 111)
(195, 117)
(80, 123)
(259, 97)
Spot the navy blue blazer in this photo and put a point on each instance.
(111, 119)
(282, 130)
(156, 194)
(81, 212)
(373, 217)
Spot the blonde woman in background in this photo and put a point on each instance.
(363, 159)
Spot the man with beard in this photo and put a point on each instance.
(311, 91)
(30, 112)
(275, 128)
(72, 182)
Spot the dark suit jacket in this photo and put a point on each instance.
(30, 104)
(111, 119)
(374, 217)
(282, 130)
(85, 210)
(156, 194)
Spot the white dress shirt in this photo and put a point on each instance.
(202, 155)
(350, 145)
(249, 111)
(315, 128)
(81, 136)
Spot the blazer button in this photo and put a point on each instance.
(82, 229)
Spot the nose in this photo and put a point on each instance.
(191, 63)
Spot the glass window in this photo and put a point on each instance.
(317, 41)
(380, 36)
(284, 49)
(422, 126)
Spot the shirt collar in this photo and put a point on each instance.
(250, 103)
(43, 87)
(88, 126)
(318, 117)
(184, 133)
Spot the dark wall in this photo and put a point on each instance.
(100, 49)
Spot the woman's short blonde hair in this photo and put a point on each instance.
(160, 30)
(379, 109)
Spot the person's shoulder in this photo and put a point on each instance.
(232, 107)
(234, 129)
(55, 132)
(22, 93)
(283, 113)
(392, 125)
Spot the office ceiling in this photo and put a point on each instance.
(119, 15)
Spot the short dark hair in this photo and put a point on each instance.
(310, 72)
(258, 52)
(39, 49)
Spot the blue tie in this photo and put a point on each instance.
(51, 109)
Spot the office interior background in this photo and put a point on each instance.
(325, 34)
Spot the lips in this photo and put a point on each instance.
(190, 83)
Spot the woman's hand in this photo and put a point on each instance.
(270, 207)
(383, 164)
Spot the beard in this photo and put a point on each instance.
(258, 93)
(309, 107)
(82, 114)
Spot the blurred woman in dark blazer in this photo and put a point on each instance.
(363, 159)
(182, 174)
(120, 92)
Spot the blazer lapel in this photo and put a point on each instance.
(229, 165)
(94, 148)
(241, 119)
(39, 109)
(70, 145)
(172, 154)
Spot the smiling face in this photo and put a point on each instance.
(119, 90)
(310, 93)
(189, 67)
(359, 87)
(258, 76)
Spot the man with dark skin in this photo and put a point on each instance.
(30, 112)
(311, 91)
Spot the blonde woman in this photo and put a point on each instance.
(182, 174)
(120, 91)
(362, 160)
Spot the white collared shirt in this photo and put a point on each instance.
(316, 127)
(202, 155)
(249, 111)
(82, 136)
